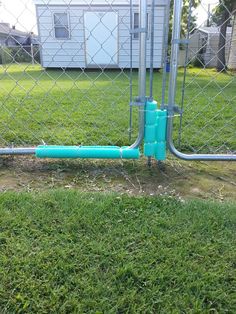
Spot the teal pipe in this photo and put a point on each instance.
(150, 133)
(161, 125)
(111, 152)
(160, 153)
(150, 128)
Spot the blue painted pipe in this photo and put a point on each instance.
(112, 152)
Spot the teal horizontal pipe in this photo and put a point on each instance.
(111, 152)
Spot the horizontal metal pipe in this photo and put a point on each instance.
(18, 151)
(215, 157)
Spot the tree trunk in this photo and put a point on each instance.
(232, 50)
(221, 63)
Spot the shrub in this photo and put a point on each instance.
(19, 54)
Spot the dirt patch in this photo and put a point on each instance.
(182, 179)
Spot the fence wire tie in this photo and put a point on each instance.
(138, 102)
(121, 153)
(174, 109)
(174, 115)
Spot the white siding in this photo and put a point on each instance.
(211, 47)
(232, 49)
(210, 56)
(71, 52)
(93, 2)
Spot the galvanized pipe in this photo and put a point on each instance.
(151, 50)
(165, 52)
(174, 57)
(131, 72)
(142, 69)
(18, 151)
(206, 157)
(172, 93)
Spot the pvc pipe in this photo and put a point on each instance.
(161, 135)
(161, 125)
(112, 152)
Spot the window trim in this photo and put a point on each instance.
(148, 26)
(54, 26)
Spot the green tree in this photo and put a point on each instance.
(185, 17)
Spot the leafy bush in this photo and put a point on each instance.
(19, 54)
(5, 55)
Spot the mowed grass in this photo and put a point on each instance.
(66, 252)
(71, 107)
(76, 107)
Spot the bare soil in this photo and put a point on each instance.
(174, 177)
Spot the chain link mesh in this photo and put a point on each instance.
(65, 72)
(54, 90)
(207, 81)
(50, 93)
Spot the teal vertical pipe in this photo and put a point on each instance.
(161, 123)
(160, 151)
(150, 128)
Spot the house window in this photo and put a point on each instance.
(61, 25)
(136, 25)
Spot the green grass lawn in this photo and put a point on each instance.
(66, 252)
(73, 252)
(75, 107)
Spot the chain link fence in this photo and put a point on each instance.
(69, 76)
(207, 79)
(69, 70)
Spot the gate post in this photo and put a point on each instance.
(172, 91)
(174, 62)
(142, 69)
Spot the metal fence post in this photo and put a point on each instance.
(142, 68)
(174, 59)
(32, 53)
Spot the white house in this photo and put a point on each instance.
(12, 37)
(95, 33)
(203, 43)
